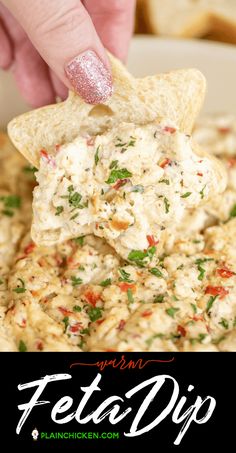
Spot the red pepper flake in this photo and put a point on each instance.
(49, 159)
(120, 183)
(225, 272)
(76, 327)
(59, 259)
(57, 148)
(92, 298)
(64, 311)
(29, 248)
(71, 263)
(121, 324)
(100, 321)
(217, 291)
(231, 162)
(165, 162)
(39, 345)
(42, 262)
(200, 161)
(125, 286)
(170, 129)
(151, 240)
(224, 130)
(146, 313)
(199, 174)
(181, 330)
(198, 318)
(90, 141)
(23, 322)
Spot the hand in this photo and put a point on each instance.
(53, 45)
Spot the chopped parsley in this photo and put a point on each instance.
(201, 269)
(20, 289)
(124, 276)
(194, 307)
(1, 281)
(139, 188)
(186, 195)
(29, 169)
(121, 144)
(159, 299)
(94, 314)
(118, 174)
(224, 323)
(156, 272)
(79, 240)
(96, 157)
(77, 308)
(74, 216)
(113, 164)
(76, 281)
(8, 213)
(59, 210)
(210, 303)
(171, 311)
(139, 257)
(150, 340)
(201, 337)
(85, 331)
(22, 346)
(74, 198)
(105, 283)
(10, 202)
(130, 296)
(232, 213)
(167, 205)
(66, 322)
(202, 192)
(164, 181)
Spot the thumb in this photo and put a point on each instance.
(64, 35)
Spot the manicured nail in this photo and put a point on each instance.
(89, 77)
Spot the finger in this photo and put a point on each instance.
(64, 35)
(60, 89)
(114, 22)
(32, 76)
(6, 54)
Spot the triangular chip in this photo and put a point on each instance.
(177, 96)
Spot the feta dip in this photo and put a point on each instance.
(130, 186)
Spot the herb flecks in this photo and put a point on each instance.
(59, 210)
(20, 288)
(117, 174)
(124, 276)
(210, 303)
(10, 202)
(142, 258)
(172, 311)
(201, 269)
(94, 314)
(76, 281)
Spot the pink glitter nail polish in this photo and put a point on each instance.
(89, 77)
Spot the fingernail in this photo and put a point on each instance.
(89, 77)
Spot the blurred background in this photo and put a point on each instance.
(204, 19)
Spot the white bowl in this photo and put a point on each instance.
(150, 55)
